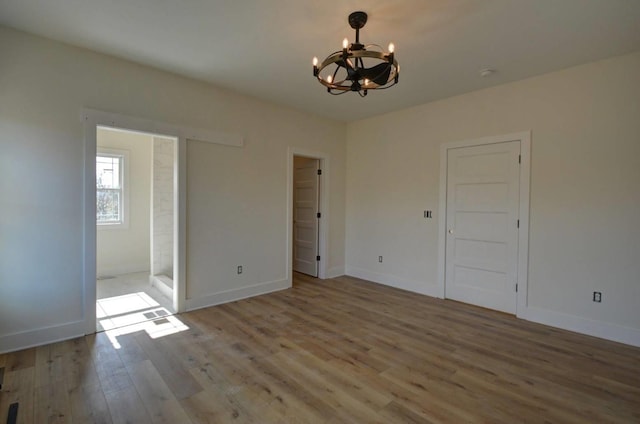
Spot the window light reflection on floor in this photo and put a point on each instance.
(126, 303)
(126, 314)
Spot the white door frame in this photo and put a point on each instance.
(94, 118)
(323, 235)
(523, 234)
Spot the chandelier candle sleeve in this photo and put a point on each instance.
(357, 67)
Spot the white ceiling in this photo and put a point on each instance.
(264, 48)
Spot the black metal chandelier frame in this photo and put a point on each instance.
(357, 77)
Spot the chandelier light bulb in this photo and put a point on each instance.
(345, 43)
(329, 79)
(366, 81)
(315, 61)
(391, 48)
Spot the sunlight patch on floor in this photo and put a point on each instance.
(134, 312)
(126, 303)
(155, 329)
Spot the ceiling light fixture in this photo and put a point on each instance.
(356, 68)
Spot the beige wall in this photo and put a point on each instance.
(124, 250)
(585, 194)
(236, 196)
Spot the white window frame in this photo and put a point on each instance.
(124, 188)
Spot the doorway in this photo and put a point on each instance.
(135, 208)
(93, 119)
(322, 163)
(484, 193)
(306, 215)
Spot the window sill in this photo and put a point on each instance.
(114, 226)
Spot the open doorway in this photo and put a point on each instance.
(135, 208)
(314, 168)
(306, 215)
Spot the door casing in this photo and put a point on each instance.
(93, 118)
(323, 236)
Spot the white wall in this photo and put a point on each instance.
(124, 250)
(585, 195)
(236, 196)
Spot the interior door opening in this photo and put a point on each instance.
(306, 215)
(135, 211)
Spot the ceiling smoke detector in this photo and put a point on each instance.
(487, 72)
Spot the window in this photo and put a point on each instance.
(110, 188)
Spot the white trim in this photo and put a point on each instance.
(89, 247)
(180, 226)
(162, 283)
(147, 126)
(415, 286)
(120, 270)
(236, 294)
(523, 235)
(323, 240)
(41, 336)
(337, 271)
(601, 329)
(94, 118)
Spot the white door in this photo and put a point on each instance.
(306, 182)
(481, 256)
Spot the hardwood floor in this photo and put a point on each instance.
(333, 351)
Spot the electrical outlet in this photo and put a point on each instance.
(597, 297)
(428, 214)
(380, 259)
(239, 269)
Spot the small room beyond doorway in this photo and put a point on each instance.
(135, 204)
(306, 215)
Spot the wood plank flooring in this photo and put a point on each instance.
(334, 351)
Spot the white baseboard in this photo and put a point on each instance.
(236, 294)
(394, 281)
(163, 283)
(600, 329)
(122, 269)
(41, 336)
(334, 272)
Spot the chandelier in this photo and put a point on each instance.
(357, 67)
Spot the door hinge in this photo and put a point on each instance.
(516, 288)
(319, 171)
(518, 224)
(318, 258)
(519, 158)
(319, 215)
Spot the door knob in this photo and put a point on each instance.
(450, 230)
